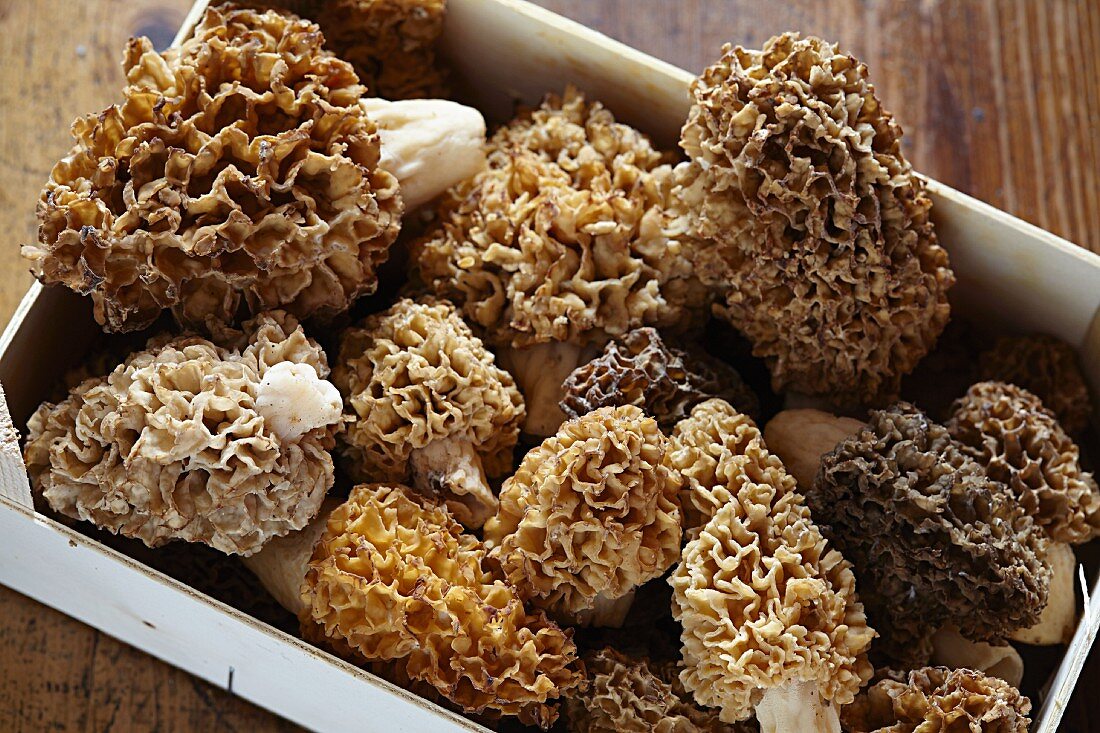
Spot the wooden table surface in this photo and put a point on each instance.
(999, 98)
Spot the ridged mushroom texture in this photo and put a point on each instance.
(939, 700)
(226, 444)
(563, 241)
(427, 404)
(771, 621)
(933, 539)
(394, 580)
(666, 381)
(590, 514)
(808, 222)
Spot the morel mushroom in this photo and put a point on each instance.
(717, 450)
(800, 437)
(590, 514)
(428, 405)
(808, 221)
(1008, 430)
(625, 695)
(932, 537)
(563, 239)
(771, 620)
(939, 700)
(665, 381)
(1048, 368)
(393, 577)
(227, 445)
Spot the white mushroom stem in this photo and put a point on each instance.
(1059, 617)
(451, 469)
(796, 708)
(282, 563)
(540, 371)
(428, 144)
(605, 612)
(951, 649)
(802, 436)
(293, 400)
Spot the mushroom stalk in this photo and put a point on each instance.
(796, 708)
(293, 400)
(1059, 617)
(606, 612)
(800, 437)
(450, 468)
(952, 649)
(540, 371)
(429, 145)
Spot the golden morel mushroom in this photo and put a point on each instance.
(239, 174)
(428, 405)
(665, 381)
(808, 222)
(771, 620)
(590, 514)
(563, 240)
(1048, 368)
(939, 700)
(227, 445)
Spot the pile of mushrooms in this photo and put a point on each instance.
(525, 437)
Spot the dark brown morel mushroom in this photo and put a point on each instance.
(939, 700)
(1047, 367)
(808, 221)
(933, 539)
(665, 381)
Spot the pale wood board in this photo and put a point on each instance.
(999, 99)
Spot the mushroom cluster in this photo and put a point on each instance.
(225, 444)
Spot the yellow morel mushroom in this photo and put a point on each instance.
(225, 444)
(428, 405)
(590, 514)
(771, 620)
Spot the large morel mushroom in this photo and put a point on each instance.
(227, 445)
(809, 222)
(240, 173)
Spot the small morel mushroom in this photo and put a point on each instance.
(222, 444)
(590, 514)
(564, 239)
(394, 579)
(665, 381)
(808, 222)
(717, 450)
(771, 620)
(800, 437)
(626, 695)
(1046, 367)
(429, 405)
(932, 538)
(939, 700)
(1008, 430)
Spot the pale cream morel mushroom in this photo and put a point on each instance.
(427, 404)
(771, 620)
(390, 576)
(225, 444)
(589, 515)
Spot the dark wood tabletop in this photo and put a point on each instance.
(999, 98)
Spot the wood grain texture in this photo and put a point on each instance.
(999, 98)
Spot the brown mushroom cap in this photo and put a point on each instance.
(394, 577)
(717, 450)
(590, 514)
(809, 220)
(1020, 443)
(563, 236)
(1046, 367)
(180, 198)
(939, 700)
(932, 538)
(414, 374)
(626, 695)
(766, 604)
(172, 445)
(665, 381)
